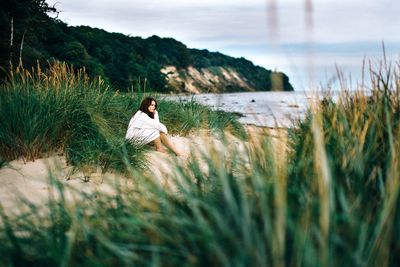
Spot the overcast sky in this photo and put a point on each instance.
(304, 41)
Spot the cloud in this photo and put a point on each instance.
(238, 21)
(193, 24)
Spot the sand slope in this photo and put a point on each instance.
(30, 180)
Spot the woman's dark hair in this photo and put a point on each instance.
(144, 106)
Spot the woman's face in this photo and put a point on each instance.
(152, 106)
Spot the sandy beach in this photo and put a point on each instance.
(31, 181)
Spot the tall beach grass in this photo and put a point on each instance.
(62, 111)
(326, 195)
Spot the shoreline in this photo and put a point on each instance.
(274, 109)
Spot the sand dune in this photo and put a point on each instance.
(31, 180)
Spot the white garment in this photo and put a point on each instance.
(142, 129)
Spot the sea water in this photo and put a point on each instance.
(270, 109)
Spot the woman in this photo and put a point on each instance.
(145, 127)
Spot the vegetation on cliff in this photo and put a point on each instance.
(29, 35)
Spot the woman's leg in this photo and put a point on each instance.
(159, 146)
(165, 140)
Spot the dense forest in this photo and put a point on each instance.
(31, 34)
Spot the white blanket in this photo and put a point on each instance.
(142, 129)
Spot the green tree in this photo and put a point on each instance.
(17, 18)
(155, 77)
(73, 52)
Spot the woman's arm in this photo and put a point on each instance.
(145, 122)
(156, 117)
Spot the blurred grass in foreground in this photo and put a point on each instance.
(328, 195)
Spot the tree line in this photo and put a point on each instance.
(32, 34)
